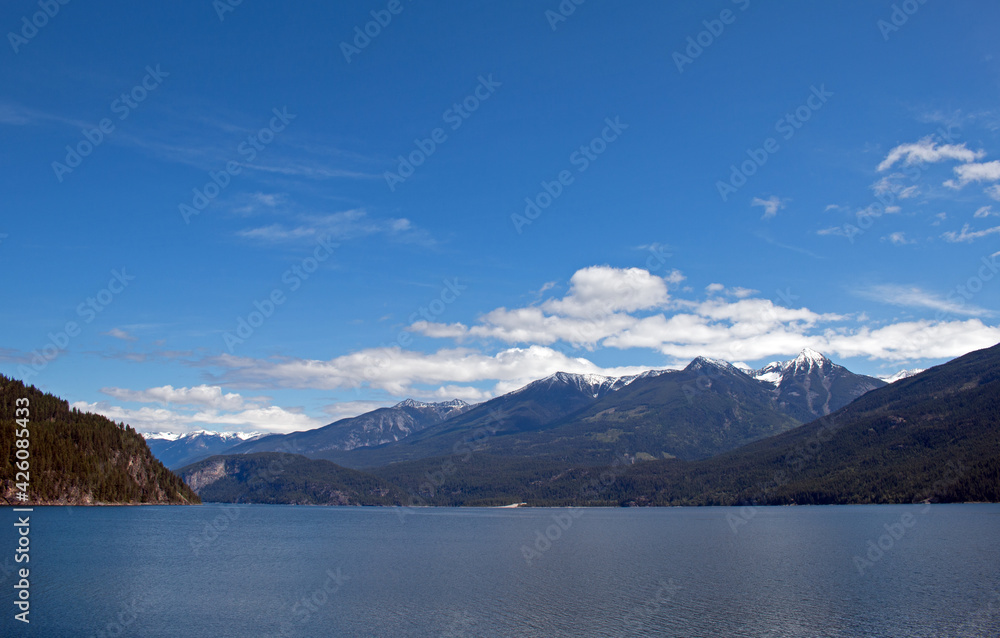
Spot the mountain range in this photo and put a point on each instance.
(708, 407)
(930, 437)
(794, 432)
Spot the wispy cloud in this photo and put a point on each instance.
(771, 205)
(118, 333)
(914, 297)
(968, 235)
(344, 225)
(927, 151)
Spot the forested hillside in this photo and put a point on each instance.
(78, 458)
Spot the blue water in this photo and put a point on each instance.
(301, 571)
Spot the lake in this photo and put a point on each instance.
(243, 571)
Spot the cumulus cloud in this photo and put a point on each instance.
(604, 308)
(601, 289)
(257, 419)
(202, 395)
(927, 151)
(966, 173)
(912, 340)
(599, 303)
(399, 371)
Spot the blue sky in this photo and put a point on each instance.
(478, 194)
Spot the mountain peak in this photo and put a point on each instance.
(808, 354)
(902, 374)
(413, 403)
(699, 363)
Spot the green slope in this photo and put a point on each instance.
(275, 477)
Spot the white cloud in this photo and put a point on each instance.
(966, 173)
(913, 340)
(890, 184)
(899, 239)
(984, 211)
(599, 290)
(397, 371)
(597, 305)
(118, 333)
(345, 225)
(771, 205)
(993, 191)
(968, 235)
(209, 396)
(618, 309)
(145, 419)
(926, 151)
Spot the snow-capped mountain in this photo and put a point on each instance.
(590, 385)
(902, 374)
(810, 385)
(177, 450)
(226, 436)
(380, 426)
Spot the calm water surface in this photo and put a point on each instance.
(250, 571)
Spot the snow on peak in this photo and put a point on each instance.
(810, 355)
(413, 403)
(774, 372)
(225, 436)
(700, 362)
(902, 374)
(592, 384)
